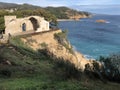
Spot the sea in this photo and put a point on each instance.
(94, 39)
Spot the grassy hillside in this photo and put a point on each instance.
(22, 68)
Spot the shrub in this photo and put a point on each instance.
(62, 39)
(6, 73)
(43, 45)
(16, 41)
(88, 71)
(111, 67)
(24, 49)
(66, 70)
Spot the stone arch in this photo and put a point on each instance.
(34, 22)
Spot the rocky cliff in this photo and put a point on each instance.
(57, 46)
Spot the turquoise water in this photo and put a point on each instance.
(94, 39)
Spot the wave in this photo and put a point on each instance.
(74, 48)
(88, 57)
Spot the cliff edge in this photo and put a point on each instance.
(57, 46)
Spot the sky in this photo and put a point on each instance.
(93, 6)
(56, 3)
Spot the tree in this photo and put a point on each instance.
(2, 26)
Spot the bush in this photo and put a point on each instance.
(62, 39)
(43, 45)
(61, 36)
(66, 70)
(6, 73)
(24, 49)
(111, 67)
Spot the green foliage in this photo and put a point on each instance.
(94, 72)
(85, 13)
(16, 41)
(29, 73)
(2, 13)
(59, 12)
(43, 45)
(62, 35)
(62, 39)
(37, 73)
(64, 12)
(111, 67)
(5, 73)
(66, 70)
(40, 12)
(24, 48)
(2, 26)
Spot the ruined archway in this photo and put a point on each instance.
(34, 23)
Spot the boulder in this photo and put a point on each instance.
(101, 21)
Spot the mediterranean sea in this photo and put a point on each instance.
(94, 39)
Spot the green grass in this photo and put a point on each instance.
(30, 70)
(28, 73)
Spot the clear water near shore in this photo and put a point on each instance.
(94, 39)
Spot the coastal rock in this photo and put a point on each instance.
(55, 49)
(101, 21)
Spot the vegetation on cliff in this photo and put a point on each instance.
(111, 69)
(24, 68)
(61, 37)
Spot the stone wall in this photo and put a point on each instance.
(8, 19)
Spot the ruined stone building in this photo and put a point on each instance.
(16, 26)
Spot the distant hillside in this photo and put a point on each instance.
(7, 5)
(67, 13)
(17, 6)
(59, 12)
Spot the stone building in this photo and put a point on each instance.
(16, 26)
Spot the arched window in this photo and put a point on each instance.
(23, 27)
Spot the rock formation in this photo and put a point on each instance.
(56, 48)
(101, 21)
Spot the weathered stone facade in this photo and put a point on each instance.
(16, 26)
